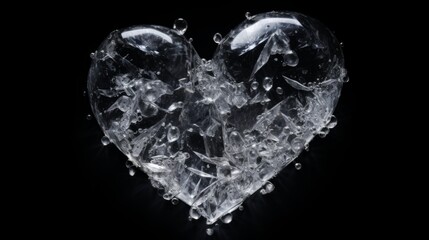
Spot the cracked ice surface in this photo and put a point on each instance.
(211, 133)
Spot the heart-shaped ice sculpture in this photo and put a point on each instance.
(211, 133)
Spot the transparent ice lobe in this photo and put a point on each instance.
(136, 81)
(211, 133)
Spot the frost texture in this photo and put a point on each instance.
(211, 133)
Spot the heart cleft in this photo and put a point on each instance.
(211, 133)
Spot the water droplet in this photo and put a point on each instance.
(84, 93)
(241, 208)
(193, 213)
(209, 231)
(333, 122)
(174, 201)
(158, 73)
(267, 83)
(291, 58)
(227, 218)
(180, 25)
(247, 15)
(105, 140)
(279, 90)
(88, 117)
(173, 134)
(254, 85)
(341, 44)
(217, 38)
(298, 166)
(346, 79)
(190, 40)
(129, 164)
(269, 187)
(167, 196)
(235, 139)
(276, 59)
(131, 171)
(297, 144)
(323, 132)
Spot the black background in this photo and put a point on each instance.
(327, 195)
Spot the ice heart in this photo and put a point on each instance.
(211, 133)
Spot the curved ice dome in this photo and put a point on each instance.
(211, 133)
(280, 45)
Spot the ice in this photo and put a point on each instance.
(211, 133)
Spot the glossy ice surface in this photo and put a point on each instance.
(211, 133)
